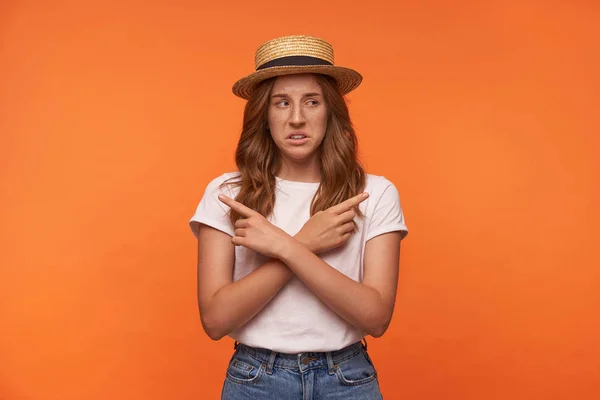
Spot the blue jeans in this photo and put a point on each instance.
(257, 374)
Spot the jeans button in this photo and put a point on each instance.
(305, 360)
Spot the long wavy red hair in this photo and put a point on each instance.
(257, 156)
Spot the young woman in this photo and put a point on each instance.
(298, 250)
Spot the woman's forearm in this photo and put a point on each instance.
(238, 302)
(358, 304)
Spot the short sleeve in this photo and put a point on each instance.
(387, 215)
(211, 211)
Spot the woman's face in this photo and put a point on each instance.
(297, 116)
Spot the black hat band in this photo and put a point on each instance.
(294, 61)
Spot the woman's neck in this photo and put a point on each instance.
(299, 172)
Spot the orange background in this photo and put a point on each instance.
(114, 117)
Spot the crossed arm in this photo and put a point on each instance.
(226, 305)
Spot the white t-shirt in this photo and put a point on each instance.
(295, 320)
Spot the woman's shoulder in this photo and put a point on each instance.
(373, 181)
(378, 186)
(218, 183)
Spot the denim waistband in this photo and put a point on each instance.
(301, 361)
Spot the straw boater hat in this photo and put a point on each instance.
(295, 55)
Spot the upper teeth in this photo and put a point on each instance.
(298, 136)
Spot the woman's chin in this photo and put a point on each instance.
(298, 155)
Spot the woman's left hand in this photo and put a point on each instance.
(255, 232)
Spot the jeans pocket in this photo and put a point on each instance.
(357, 370)
(244, 369)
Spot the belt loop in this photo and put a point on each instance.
(271, 362)
(365, 343)
(235, 344)
(330, 365)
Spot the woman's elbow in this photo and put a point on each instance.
(379, 327)
(214, 334)
(378, 332)
(212, 327)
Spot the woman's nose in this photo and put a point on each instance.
(297, 116)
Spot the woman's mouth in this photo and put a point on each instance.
(297, 139)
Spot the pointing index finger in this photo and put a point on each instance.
(351, 202)
(239, 207)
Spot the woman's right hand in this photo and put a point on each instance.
(329, 229)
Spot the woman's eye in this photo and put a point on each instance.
(313, 102)
(283, 103)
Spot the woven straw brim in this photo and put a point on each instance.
(346, 78)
